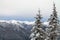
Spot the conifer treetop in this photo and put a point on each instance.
(54, 10)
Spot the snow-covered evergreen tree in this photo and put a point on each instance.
(53, 25)
(37, 32)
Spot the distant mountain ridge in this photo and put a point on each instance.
(15, 30)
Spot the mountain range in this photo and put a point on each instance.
(17, 30)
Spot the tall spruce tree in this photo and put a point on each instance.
(53, 24)
(37, 32)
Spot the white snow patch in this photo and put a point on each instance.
(26, 22)
(16, 22)
(46, 23)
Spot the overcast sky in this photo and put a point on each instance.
(27, 8)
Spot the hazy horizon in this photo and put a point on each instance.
(26, 9)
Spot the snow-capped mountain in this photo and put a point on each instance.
(15, 21)
(15, 30)
(22, 24)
